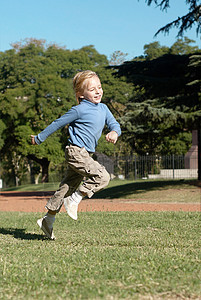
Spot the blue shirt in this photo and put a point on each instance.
(86, 122)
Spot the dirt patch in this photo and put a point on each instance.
(35, 202)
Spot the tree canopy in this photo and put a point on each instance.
(36, 88)
(168, 103)
(34, 79)
(180, 47)
(154, 96)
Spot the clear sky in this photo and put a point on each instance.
(109, 25)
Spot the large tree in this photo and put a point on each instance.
(36, 88)
(180, 47)
(184, 23)
(170, 104)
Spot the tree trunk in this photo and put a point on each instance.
(30, 168)
(37, 178)
(17, 180)
(199, 154)
(45, 167)
(16, 167)
(44, 162)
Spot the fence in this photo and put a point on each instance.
(130, 167)
(150, 167)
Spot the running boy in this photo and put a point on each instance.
(86, 122)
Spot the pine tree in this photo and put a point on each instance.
(182, 23)
(171, 102)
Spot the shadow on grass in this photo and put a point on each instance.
(137, 187)
(21, 234)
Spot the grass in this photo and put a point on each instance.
(185, 191)
(50, 186)
(123, 255)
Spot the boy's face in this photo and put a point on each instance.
(92, 90)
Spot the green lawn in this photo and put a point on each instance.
(142, 190)
(123, 255)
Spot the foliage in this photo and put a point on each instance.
(2, 128)
(181, 47)
(116, 92)
(169, 104)
(154, 50)
(36, 88)
(104, 146)
(178, 144)
(183, 23)
(117, 58)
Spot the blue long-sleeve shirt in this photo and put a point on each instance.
(86, 122)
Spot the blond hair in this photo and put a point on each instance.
(78, 82)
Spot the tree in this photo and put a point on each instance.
(117, 58)
(30, 88)
(2, 128)
(117, 91)
(170, 102)
(36, 88)
(183, 23)
(180, 47)
(183, 46)
(154, 50)
(193, 17)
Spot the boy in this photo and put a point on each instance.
(86, 122)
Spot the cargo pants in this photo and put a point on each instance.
(80, 165)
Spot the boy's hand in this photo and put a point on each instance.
(112, 137)
(33, 140)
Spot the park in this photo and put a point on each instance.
(139, 237)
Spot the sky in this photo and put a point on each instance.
(109, 25)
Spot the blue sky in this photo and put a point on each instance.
(109, 25)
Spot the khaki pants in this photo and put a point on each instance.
(80, 165)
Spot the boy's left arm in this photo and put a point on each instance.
(112, 137)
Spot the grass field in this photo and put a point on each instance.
(186, 191)
(124, 255)
(106, 255)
